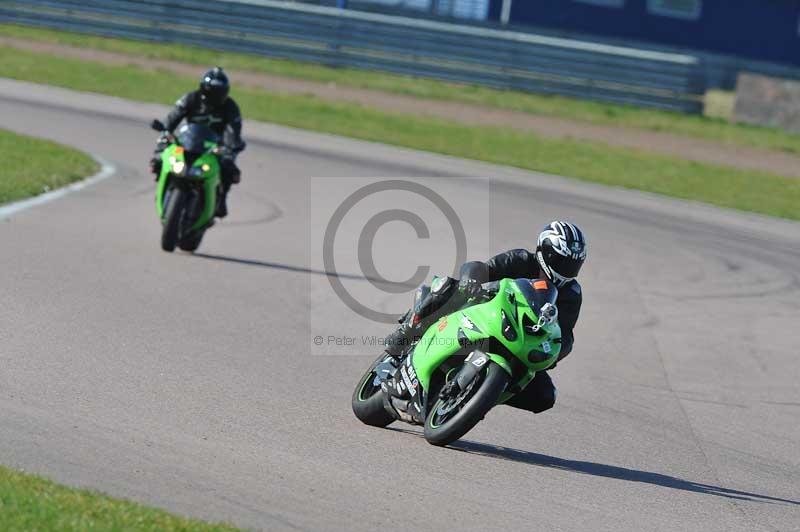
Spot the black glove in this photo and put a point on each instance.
(238, 147)
(155, 166)
(469, 288)
(230, 169)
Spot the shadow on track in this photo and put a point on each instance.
(299, 269)
(603, 470)
(610, 471)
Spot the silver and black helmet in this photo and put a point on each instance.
(561, 251)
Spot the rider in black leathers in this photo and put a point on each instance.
(211, 106)
(560, 253)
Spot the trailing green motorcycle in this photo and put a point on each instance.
(188, 185)
(467, 362)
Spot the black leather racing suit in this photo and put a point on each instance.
(540, 394)
(521, 263)
(225, 120)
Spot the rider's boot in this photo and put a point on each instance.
(222, 202)
(230, 175)
(411, 325)
(222, 205)
(399, 340)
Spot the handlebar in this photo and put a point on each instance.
(221, 150)
(491, 286)
(487, 291)
(169, 137)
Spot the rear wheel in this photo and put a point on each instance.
(367, 399)
(457, 410)
(172, 219)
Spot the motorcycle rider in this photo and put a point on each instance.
(560, 253)
(211, 106)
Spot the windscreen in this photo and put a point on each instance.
(537, 292)
(194, 136)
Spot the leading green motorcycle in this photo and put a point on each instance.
(467, 362)
(188, 185)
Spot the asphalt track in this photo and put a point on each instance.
(191, 382)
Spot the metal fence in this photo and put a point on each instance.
(424, 48)
(460, 9)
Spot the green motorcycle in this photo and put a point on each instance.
(467, 362)
(188, 185)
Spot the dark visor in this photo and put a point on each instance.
(565, 266)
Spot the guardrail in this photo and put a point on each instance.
(426, 48)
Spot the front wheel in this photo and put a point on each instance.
(456, 410)
(172, 219)
(367, 399)
(191, 243)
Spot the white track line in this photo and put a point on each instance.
(106, 170)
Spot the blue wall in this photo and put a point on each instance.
(766, 30)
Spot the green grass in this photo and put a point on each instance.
(32, 166)
(715, 127)
(718, 185)
(28, 502)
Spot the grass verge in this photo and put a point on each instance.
(29, 502)
(752, 191)
(713, 127)
(33, 166)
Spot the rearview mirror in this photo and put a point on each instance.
(157, 125)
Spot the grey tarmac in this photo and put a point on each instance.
(191, 382)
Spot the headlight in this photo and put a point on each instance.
(178, 167)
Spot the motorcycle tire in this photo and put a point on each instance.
(480, 397)
(172, 220)
(367, 401)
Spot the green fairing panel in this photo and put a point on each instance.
(168, 156)
(483, 321)
(211, 179)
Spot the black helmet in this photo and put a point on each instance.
(561, 251)
(214, 86)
